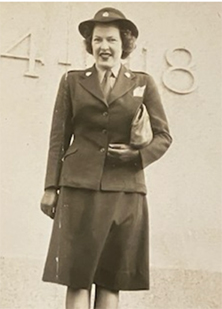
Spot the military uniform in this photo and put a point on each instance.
(100, 231)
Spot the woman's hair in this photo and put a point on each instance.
(128, 40)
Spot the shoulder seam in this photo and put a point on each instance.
(141, 72)
(70, 71)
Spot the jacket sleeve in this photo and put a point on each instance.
(60, 136)
(161, 135)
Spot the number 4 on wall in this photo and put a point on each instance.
(30, 57)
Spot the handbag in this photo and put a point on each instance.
(141, 130)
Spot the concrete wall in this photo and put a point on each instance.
(184, 186)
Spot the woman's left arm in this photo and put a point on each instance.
(161, 135)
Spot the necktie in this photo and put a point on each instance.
(106, 84)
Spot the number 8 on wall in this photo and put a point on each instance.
(183, 68)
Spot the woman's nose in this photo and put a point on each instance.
(104, 44)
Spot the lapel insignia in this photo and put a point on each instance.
(88, 73)
(139, 91)
(127, 74)
(90, 83)
(124, 83)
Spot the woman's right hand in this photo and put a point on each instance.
(49, 201)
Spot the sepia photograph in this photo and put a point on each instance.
(111, 155)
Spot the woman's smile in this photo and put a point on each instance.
(105, 55)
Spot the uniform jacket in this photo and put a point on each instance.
(84, 124)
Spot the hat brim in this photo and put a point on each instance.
(86, 27)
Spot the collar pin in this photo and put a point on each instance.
(127, 74)
(88, 73)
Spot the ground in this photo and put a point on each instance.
(22, 288)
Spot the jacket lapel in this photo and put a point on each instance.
(90, 82)
(125, 82)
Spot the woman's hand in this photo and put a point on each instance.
(123, 152)
(48, 202)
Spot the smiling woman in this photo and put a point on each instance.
(106, 46)
(100, 231)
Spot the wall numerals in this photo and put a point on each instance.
(31, 57)
(64, 63)
(184, 70)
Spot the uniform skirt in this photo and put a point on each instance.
(99, 237)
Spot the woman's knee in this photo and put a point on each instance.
(106, 298)
(101, 289)
(77, 298)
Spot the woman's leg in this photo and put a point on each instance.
(106, 299)
(77, 299)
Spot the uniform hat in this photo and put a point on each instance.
(107, 15)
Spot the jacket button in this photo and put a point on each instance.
(105, 114)
(102, 149)
(104, 131)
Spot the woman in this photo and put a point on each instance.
(100, 231)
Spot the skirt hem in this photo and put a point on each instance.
(147, 288)
(117, 281)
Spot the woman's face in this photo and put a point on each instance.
(106, 46)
